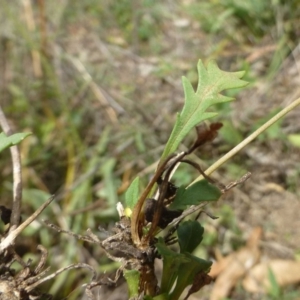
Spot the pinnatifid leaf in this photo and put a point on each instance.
(14, 139)
(212, 81)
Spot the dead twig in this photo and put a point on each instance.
(73, 266)
(43, 259)
(237, 182)
(85, 238)
(9, 240)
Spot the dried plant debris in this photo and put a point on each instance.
(21, 285)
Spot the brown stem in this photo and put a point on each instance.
(135, 218)
(162, 193)
(208, 178)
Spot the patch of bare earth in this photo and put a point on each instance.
(274, 163)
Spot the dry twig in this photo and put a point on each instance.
(9, 240)
(17, 175)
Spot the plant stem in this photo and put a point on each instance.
(249, 139)
(17, 174)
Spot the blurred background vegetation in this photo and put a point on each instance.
(98, 83)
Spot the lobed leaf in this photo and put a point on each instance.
(212, 81)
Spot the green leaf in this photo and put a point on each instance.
(179, 269)
(188, 272)
(160, 297)
(198, 192)
(132, 193)
(171, 263)
(274, 290)
(190, 235)
(103, 141)
(8, 141)
(212, 81)
(132, 278)
(35, 197)
(109, 187)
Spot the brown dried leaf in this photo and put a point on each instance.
(205, 135)
(235, 266)
(285, 271)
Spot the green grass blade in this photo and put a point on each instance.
(132, 193)
(14, 139)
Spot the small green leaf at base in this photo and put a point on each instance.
(179, 270)
(160, 297)
(132, 278)
(171, 263)
(187, 273)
